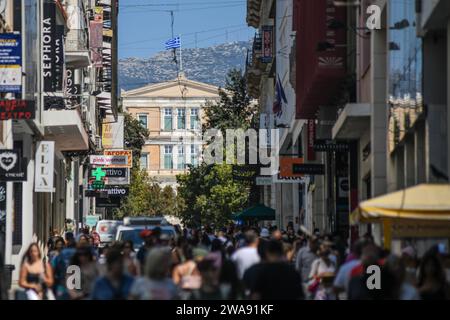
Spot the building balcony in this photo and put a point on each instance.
(352, 122)
(66, 128)
(76, 50)
(253, 12)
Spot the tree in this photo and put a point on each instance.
(234, 108)
(146, 196)
(135, 136)
(211, 193)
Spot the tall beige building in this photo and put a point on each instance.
(172, 111)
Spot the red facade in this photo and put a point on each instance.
(319, 73)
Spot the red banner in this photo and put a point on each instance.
(311, 154)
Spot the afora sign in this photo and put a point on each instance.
(17, 109)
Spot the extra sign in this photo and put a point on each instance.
(17, 109)
(12, 166)
(121, 153)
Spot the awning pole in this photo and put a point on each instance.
(387, 233)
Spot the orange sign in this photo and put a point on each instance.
(127, 153)
(286, 167)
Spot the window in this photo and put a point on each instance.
(181, 123)
(194, 119)
(168, 119)
(143, 161)
(194, 155)
(168, 162)
(143, 119)
(181, 162)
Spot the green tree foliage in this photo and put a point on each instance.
(134, 137)
(211, 195)
(234, 108)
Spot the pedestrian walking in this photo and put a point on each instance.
(247, 256)
(115, 285)
(155, 284)
(36, 275)
(276, 279)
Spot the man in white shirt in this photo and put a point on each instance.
(247, 256)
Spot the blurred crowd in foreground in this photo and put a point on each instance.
(230, 263)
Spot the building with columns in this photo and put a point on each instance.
(172, 111)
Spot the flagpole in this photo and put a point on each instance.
(181, 57)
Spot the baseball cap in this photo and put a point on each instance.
(264, 233)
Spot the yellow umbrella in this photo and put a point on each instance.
(424, 202)
(421, 202)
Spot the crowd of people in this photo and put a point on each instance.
(229, 263)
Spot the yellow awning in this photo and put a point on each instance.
(421, 202)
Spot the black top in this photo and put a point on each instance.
(277, 281)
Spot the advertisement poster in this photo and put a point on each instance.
(10, 63)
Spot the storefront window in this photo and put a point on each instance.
(405, 70)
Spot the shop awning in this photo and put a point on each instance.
(259, 212)
(422, 202)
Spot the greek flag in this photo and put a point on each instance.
(173, 43)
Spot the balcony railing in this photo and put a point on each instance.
(77, 40)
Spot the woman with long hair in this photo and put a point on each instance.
(36, 275)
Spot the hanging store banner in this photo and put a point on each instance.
(3, 186)
(49, 46)
(45, 156)
(264, 181)
(126, 153)
(59, 58)
(323, 145)
(10, 63)
(72, 91)
(108, 191)
(96, 42)
(107, 202)
(113, 172)
(110, 161)
(308, 168)
(98, 14)
(17, 109)
(286, 167)
(267, 44)
(12, 166)
(311, 138)
(118, 180)
(113, 133)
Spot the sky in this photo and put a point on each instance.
(145, 25)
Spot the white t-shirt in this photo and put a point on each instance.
(244, 259)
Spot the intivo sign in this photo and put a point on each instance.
(108, 192)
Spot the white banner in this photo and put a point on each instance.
(109, 161)
(45, 156)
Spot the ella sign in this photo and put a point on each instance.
(44, 166)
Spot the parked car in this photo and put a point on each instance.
(132, 232)
(145, 221)
(107, 230)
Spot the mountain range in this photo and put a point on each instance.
(209, 65)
